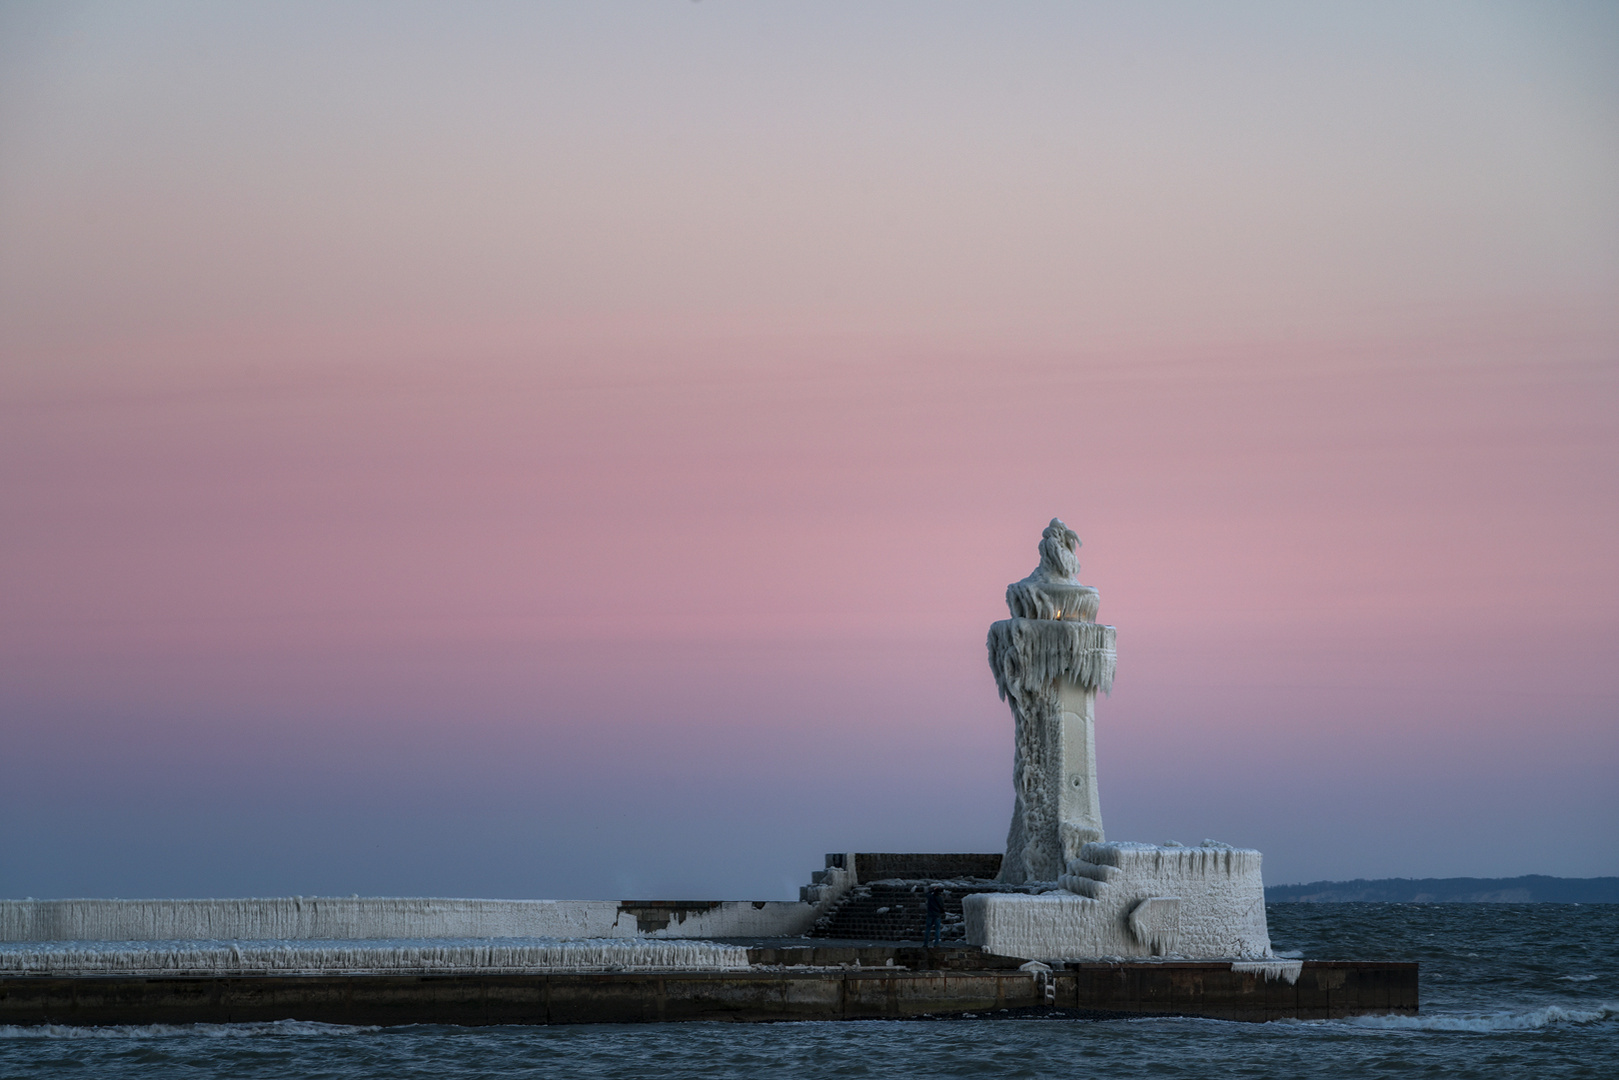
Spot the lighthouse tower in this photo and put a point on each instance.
(1050, 658)
(1111, 898)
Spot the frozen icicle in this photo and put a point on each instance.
(1029, 657)
(294, 918)
(1156, 924)
(265, 957)
(1272, 969)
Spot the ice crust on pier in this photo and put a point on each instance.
(1134, 900)
(349, 918)
(296, 917)
(514, 955)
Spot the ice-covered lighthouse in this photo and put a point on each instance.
(1086, 896)
(1050, 658)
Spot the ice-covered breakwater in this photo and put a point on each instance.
(495, 956)
(1133, 900)
(352, 918)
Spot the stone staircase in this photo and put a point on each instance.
(888, 899)
(889, 911)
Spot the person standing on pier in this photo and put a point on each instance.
(935, 927)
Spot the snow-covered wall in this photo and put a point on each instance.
(345, 918)
(1133, 900)
(282, 957)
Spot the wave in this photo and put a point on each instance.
(1529, 1020)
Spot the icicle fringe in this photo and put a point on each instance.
(1053, 600)
(1199, 861)
(280, 957)
(1287, 970)
(1031, 656)
(322, 918)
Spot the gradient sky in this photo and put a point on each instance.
(577, 451)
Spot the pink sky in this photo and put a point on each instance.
(579, 452)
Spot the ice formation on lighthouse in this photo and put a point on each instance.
(1049, 659)
(1108, 899)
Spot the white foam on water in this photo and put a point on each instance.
(1578, 978)
(1528, 1020)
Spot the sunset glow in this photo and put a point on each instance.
(545, 451)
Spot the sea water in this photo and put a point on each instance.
(1508, 990)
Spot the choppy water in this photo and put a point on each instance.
(1524, 990)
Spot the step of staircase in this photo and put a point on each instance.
(896, 911)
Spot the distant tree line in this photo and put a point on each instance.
(1532, 889)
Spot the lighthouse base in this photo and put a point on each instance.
(1133, 900)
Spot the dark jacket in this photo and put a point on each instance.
(935, 901)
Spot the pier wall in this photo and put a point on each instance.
(1324, 990)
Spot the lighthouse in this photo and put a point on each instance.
(1050, 659)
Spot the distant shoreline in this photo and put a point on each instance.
(1530, 889)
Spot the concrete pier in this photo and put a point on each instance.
(794, 983)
